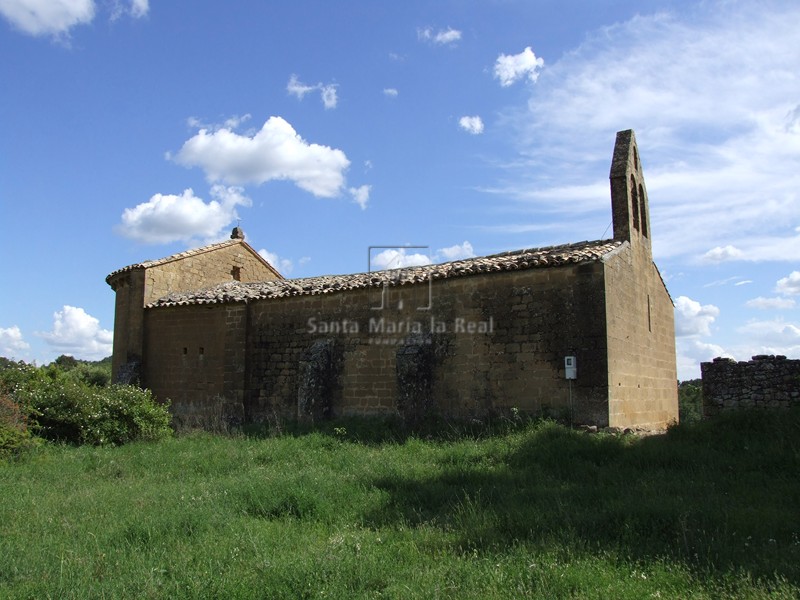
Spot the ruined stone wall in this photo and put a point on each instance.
(204, 270)
(488, 343)
(642, 377)
(764, 382)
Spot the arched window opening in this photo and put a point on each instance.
(634, 204)
(643, 210)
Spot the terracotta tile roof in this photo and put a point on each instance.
(532, 258)
(181, 255)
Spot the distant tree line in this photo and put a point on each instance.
(690, 400)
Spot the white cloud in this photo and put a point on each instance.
(721, 282)
(743, 282)
(168, 218)
(770, 303)
(398, 258)
(775, 336)
(327, 91)
(329, 97)
(297, 88)
(78, 334)
(284, 265)
(139, 8)
(691, 352)
(692, 318)
(722, 254)
(231, 122)
(47, 17)
(789, 285)
(390, 92)
(12, 344)
(276, 152)
(361, 195)
(719, 148)
(441, 37)
(473, 125)
(510, 68)
(456, 252)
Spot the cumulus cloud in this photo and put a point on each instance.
(361, 195)
(169, 218)
(442, 37)
(78, 334)
(275, 152)
(390, 92)
(57, 17)
(456, 252)
(770, 303)
(510, 68)
(283, 265)
(691, 352)
(47, 17)
(12, 344)
(327, 91)
(722, 254)
(473, 125)
(774, 336)
(789, 285)
(692, 318)
(398, 258)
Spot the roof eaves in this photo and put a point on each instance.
(531, 258)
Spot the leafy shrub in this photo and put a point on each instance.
(63, 406)
(14, 433)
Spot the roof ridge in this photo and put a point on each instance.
(146, 264)
(529, 258)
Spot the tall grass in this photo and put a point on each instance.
(537, 510)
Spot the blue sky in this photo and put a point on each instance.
(131, 130)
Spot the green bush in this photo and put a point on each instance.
(15, 437)
(64, 406)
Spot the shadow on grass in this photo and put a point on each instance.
(718, 496)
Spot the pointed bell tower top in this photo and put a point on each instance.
(629, 204)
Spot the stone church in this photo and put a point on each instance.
(581, 331)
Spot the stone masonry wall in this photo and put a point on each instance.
(642, 376)
(487, 344)
(465, 347)
(764, 382)
(203, 270)
(194, 358)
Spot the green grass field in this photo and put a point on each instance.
(708, 510)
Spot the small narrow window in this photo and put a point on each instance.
(643, 210)
(202, 350)
(634, 204)
(237, 273)
(185, 350)
(649, 322)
